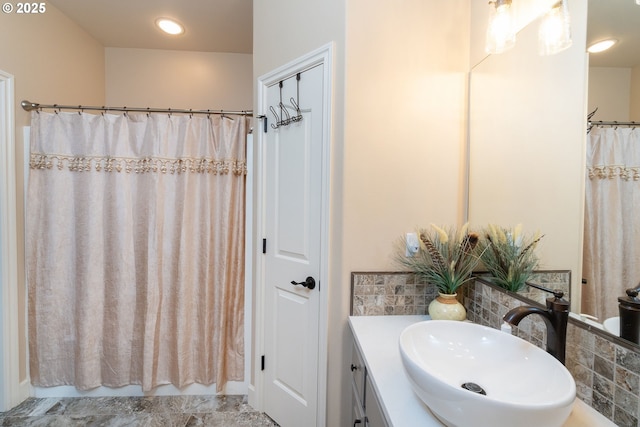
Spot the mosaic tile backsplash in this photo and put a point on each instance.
(377, 294)
(606, 370)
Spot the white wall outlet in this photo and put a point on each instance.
(413, 244)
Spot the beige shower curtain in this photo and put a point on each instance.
(135, 247)
(611, 255)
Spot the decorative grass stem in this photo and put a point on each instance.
(446, 257)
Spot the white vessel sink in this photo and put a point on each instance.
(612, 325)
(524, 385)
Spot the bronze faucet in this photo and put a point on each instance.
(556, 317)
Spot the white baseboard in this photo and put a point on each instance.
(232, 387)
(25, 389)
(252, 397)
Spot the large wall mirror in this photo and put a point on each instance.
(611, 252)
(526, 143)
(528, 133)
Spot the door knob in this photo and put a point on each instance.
(309, 283)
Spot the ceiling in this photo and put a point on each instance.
(619, 19)
(226, 25)
(210, 25)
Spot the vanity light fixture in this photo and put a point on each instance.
(554, 34)
(601, 46)
(501, 34)
(169, 26)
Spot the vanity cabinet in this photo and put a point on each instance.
(381, 392)
(366, 410)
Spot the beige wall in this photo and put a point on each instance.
(634, 105)
(404, 151)
(405, 123)
(178, 79)
(398, 132)
(527, 139)
(284, 30)
(609, 91)
(53, 61)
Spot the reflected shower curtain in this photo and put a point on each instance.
(135, 249)
(611, 253)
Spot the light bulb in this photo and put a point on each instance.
(169, 26)
(501, 35)
(554, 34)
(601, 46)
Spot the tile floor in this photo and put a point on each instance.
(150, 411)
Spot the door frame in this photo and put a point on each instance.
(11, 390)
(324, 56)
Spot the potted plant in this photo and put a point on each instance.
(509, 255)
(446, 259)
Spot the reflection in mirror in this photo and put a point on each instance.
(542, 281)
(554, 280)
(611, 251)
(527, 133)
(526, 143)
(614, 76)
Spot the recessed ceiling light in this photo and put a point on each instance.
(601, 46)
(169, 26)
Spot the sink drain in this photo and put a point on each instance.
(475, 388)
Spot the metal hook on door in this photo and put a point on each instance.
(298, 116)
(283, 121)
(280, 120)
(276, 124)
(296, 102)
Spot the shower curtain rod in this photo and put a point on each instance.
(601, 123)
(29, 106)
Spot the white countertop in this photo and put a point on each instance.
(377, 338)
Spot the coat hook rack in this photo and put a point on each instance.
(284, 118)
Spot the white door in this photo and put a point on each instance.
(292, 228)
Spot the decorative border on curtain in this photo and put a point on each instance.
(614, 171)
(138, 165)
